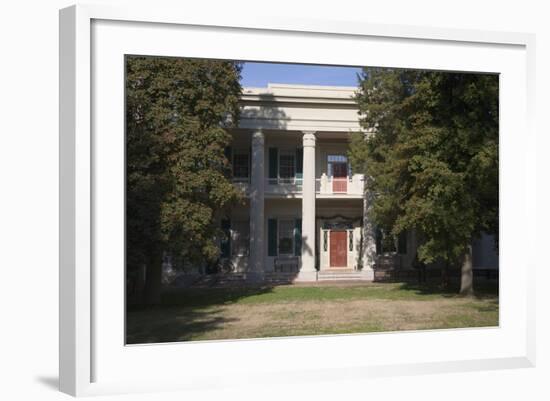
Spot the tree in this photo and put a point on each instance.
(177, 115)
(431, 158)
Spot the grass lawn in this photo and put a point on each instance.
(294, 310)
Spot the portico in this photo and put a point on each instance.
(307, 212)
(305, 205)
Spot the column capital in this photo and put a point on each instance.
(257, 137)
(309, 138)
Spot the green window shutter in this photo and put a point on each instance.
(272, 237)
(402, 243)
(298, 237)
(273, 163)
(299, 162)
(378, 238)
(226, 241)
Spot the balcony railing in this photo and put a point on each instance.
(285, 181)
(325, 185)
(353, 185)
(283, 186)
(243, 183)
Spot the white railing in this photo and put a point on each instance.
(353, 185)
(283, 185)
(325, 185)
(242, 183)
(284, 181)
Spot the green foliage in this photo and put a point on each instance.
(430, 155)
(177, 115)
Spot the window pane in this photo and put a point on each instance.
(335, 166)
(286, 237)
(337, 158)
(240, 166)
(286, 166)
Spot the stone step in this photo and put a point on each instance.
(223, 279)
(338, 271)
(343, 275)
(273, 274)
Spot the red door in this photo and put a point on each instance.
(340, 177)
(338, 250)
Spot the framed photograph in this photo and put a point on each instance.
(290, 200)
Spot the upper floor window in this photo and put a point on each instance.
(337, 166)
(337, 159)
(287, 165)
(241, 165)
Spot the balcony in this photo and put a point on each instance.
(333, 187)
(325, 187)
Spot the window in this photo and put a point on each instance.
(287, 166)
(240, 166)
(286, 237)
(337, 165)
(387, 243)
(240, 234)
(337, 158)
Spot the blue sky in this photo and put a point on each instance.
(260, 74)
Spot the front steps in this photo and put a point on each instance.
(345, 275)
(274, 278)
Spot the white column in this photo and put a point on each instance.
(256, 259)
(307, 267)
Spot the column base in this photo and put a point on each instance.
(304, 276)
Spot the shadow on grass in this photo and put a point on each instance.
(487, 289)
(191, 313)
(202, 297)
(169, 325)
(184, 314)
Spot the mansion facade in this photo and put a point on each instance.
(305, 210)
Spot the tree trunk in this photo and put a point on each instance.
(467, 274)
(153, 278)
(445, 276)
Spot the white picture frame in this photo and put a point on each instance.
(88, 366)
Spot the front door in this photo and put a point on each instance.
(340, 177)
(338, 250)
